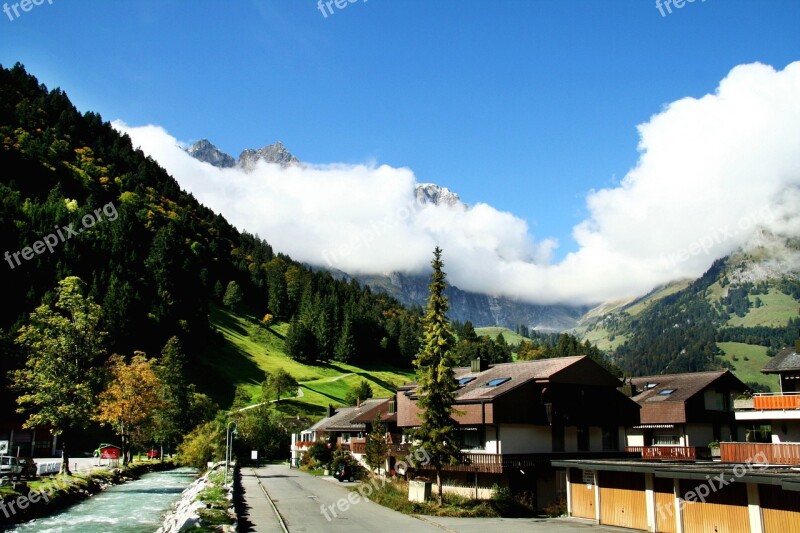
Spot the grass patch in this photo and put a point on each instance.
(247, 349)
(394, 495)
(749, 369)
(776, 310)
(510, 337)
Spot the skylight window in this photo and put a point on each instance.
(464, 381)
(497, 382)
(648, 386)
(666, 392)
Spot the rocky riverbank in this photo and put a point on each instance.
(206, 502)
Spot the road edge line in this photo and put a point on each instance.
(272, 504)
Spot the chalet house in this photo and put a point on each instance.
(515, 418)
(772, 419)
(35, 442)
(338, 428)
(682, 413)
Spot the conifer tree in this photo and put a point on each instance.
(437, 384)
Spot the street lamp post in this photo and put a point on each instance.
(229, 445)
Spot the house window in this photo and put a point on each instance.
(666, 440)
(666, 392)
(611, 438)
(345, 437)
(583, 438)
(472, 438)
(497, 382)
(464, 381)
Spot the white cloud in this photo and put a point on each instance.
(711, 172)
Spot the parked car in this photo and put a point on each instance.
(28, 465)
(10, 467)
(153, 453)
(348, 472)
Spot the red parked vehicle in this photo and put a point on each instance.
(153, 453)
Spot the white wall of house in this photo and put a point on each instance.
(635, 437)
(524, 438)
(492, 444)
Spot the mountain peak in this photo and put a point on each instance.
(204, 150)
(272, 153)
(430, 193)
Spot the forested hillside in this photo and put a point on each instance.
(728, 318)
(76, 199)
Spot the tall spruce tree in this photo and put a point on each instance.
(437, 384)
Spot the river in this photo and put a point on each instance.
(132, 507)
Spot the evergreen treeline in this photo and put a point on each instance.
(154, 257)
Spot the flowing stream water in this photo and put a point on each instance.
(133, 507)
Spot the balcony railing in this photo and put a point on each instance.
(776, 402)
(302, 444)
(358, 447)
(499, 463)
(673, 453)
(757, 452)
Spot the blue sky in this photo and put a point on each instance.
(525, 105)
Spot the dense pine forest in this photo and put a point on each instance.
(150, 254)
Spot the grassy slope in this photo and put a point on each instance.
(510, 337)
(776, 311)
(250, 349)
(749, 370)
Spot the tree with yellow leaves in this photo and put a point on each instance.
(131, 399)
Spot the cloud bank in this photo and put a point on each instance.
(713, 173)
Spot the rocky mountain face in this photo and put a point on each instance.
(276, 153)
(481, 309)
(204, 151)
(429, 193)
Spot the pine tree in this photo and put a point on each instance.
(346, 345)
(437, 384)
(233, 295)
(377, 449)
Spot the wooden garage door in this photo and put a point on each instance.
(780, 508)
(724, 511)
(581, 495)
(666, 519)
(622, 500)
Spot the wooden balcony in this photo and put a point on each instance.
(499, 463)
(776, 402)
(398, 450)
(757, 452)
(358, 447)
(670, 453)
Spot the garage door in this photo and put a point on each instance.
(582, 493)
(622, 500)
(780, 508)
(724, 511)
(666, 520)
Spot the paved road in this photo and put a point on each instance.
(299, 498)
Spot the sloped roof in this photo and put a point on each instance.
(685, 386)
(671, 407)
(786, 360)
(343, 418)
(575, 369)
(381, 408)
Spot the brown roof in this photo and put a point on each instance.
(576, 369)
(787, 360)
(381, 408)
(661, 406)
(344, 417)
